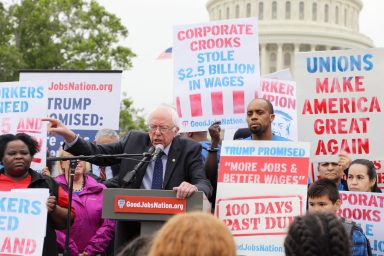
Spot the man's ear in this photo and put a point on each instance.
(272, 117)
(94, 142)
(176, 130)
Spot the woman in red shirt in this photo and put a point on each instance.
(16, 153)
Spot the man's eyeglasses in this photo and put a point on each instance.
(162, 129)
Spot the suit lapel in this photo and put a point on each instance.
(173, 156)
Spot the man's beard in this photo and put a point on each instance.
(258, 131)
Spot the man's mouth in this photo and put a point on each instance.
(155, 142)
(255, 125)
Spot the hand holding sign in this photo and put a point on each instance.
(344, 161)
(51, 204)
(214, 132)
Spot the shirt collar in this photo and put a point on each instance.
(166, 149)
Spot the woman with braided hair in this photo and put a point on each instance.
(317, 235)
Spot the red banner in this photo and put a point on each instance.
(267, 170)
(146, 204)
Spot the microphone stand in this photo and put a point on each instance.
(72, 164)
(130, 177)
(89, 157)
(72, 167)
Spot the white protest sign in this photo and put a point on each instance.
(216, 72)
(262, 187)
(22, 105)
(23, 221)
(282, 95)
(283, 74)
(85, 101)
(340, 102)
(380, 173)
(367, 210)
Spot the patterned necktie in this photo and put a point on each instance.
(102, 174)
(157, 178)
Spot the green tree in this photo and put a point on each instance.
(62, 34)
(130, 118)
(10, 57)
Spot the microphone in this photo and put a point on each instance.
(159, 148)
(129, 176)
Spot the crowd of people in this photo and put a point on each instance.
(187, 163)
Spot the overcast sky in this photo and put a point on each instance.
(150, 24)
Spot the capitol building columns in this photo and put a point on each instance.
(289, 26)
(263, 58)
(279, 63)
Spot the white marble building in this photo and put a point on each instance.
(288, 26)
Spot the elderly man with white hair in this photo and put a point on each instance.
(182, 168)
(178, 166)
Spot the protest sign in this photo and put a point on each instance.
(340, 101)
(284, 74)
(23, 221)
(282, 95)
(262, 187)
(85, 101)
(216, 72)
(367, 210)
(22, 105)
(380, 173)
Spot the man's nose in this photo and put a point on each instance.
(314, 209)
(157, 131)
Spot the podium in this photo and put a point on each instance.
(150, 208)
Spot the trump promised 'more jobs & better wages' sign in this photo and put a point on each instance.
(85, 101)
(340, 102)
(216, 72)
(367, 210)
(23, 220)
(262, 186)
(22, 105)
